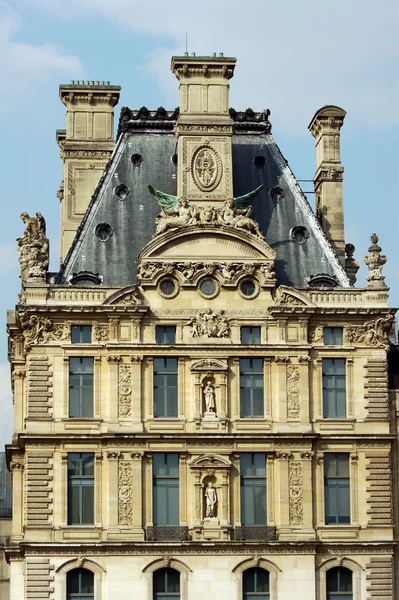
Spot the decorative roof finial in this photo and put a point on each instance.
(375, 261)
(351, 265)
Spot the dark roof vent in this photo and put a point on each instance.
(299, 234)
(259, 162)
(104, 231)
(85, 278)
(122, 191)
(277, 194)
(137, 159)
(322, 280)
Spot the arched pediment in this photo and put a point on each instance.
(208, 243)
(210, 461)
(285, 295)
(206, 364)
(129, 296)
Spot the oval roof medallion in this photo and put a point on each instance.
(206, 168)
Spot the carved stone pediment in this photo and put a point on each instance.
(207, 364)
(207, 242)
(129, 296)
(210, 461)
(287, 296)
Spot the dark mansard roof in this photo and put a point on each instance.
(146, 152)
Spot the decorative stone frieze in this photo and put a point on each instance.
(125, 493)
(379, 489)
(209, 323)
(39, 482)
(293, 392)
(39, 385)
(125, 391)
(376, 390)
(228, 273)
(38, 329)
(101, 332)
(295, 484)
(373, 332)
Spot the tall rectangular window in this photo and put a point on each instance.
(253, 488)
(165, 334)
(165, 387)
(250, 335)
(80, 488)
(336, 488)
(334, 388)
(81, 375)
(165, 489)
(332, 336)
(81, 334)
(251, 387)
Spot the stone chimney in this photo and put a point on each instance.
(325, 128)
(86, 145)
(204, 127)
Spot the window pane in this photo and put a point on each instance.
(259, 463)
(343, 504)
(74, 505)
(81, 334)
(262, 580)
(165, 334)
(342, 462)
(332, 336)
(87, 464)
(73, 582)
(257, 365)
(172, 461)
(260, 503)
(250, 335)
(87, 579)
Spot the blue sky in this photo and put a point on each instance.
(293, 57)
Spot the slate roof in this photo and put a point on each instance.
(145, 152)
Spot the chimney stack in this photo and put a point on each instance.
(86, 145)
(325, 128)
(204, 128)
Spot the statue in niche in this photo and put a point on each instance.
(33, 248)
(209, 397)
(211, 500)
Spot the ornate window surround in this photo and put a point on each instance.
(80, 563)
(170, 563)
(330, 563)
(261, 563)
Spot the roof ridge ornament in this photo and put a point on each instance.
(178, 212)
(375, 261)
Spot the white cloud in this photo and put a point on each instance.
(23, 66)
(292, 55)
(6, 407)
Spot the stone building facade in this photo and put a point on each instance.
(201, 393)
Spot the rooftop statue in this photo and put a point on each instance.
(178, 212)
(33, 249)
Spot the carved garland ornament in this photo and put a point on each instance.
(190, 270)
(293, 392)
(372, 333)
(125, 485)
(296, 493)
(206, 168)
(40, 330)
(125, 391)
